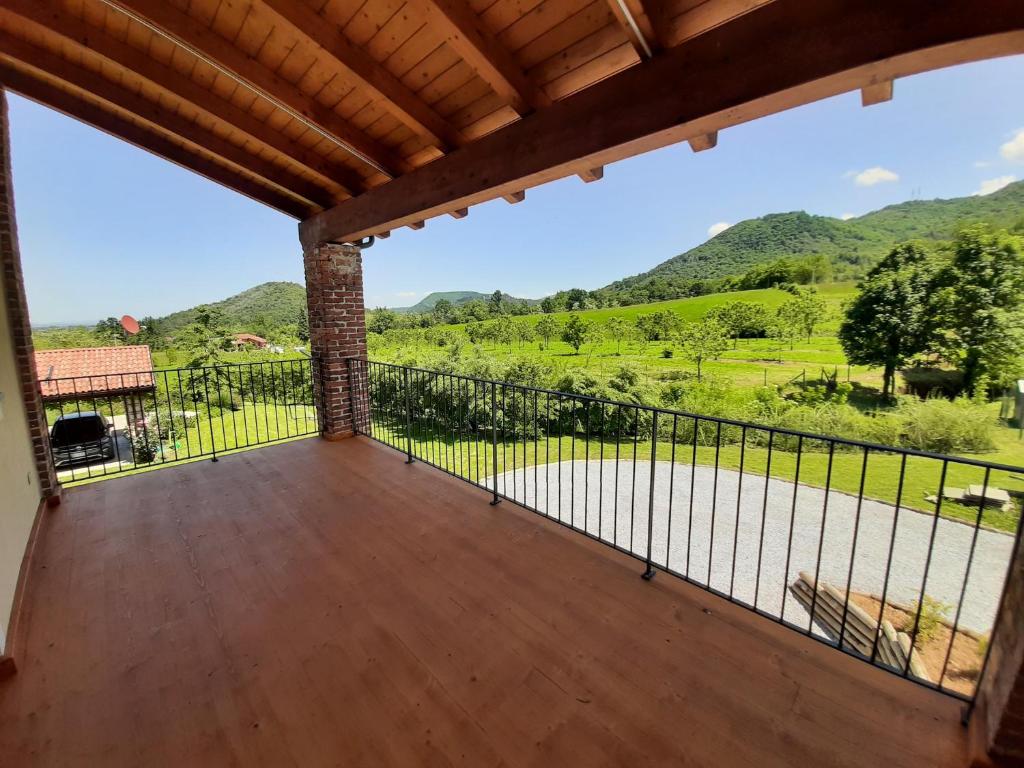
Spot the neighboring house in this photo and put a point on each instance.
(117, 373)
(248, 339)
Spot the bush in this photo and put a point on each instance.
(145, 447)
(944, 426)
(933, 615)
(666, 353)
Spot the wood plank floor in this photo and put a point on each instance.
(325, 604)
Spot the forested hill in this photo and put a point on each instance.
(277, 303)
(456, 298)
(851, 245)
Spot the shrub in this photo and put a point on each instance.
(666, 353)
(145, 447)
(933, 615)
(944, 426)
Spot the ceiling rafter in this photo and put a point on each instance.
(465, 32)
(189, 34)
(19, 53)
(85, 111)
(636, 23)
(401, 102)
(50, 16)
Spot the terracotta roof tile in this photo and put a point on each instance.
(93, 370)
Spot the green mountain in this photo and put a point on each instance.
(457, 298)
(277, 303)
(852, 245)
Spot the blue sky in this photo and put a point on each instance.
(108, 229)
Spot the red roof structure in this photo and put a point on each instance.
(249, 338)
(90, 371)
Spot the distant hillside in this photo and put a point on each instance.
(457, 298)
(278, 303)
(852, 245)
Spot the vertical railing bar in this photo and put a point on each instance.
(821, 537)
(408, 417)
(693, 480)
(714, 500)
(792, 523)
(572, 464)
(494, 443)
(888, 560)
(853, 547)
(764, 516)
(632, 495)
(671, 491)
(649, 573)
(739, 501)
(586, 467)
(615, 506)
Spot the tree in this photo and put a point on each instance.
(577, 332)
(205, 338)
(658, 326)
(442, 311)
(805, 310)
(894, 316)
(524, 331)
(616, 330)
(496, 303)
(547, 328)
(984, 290)
(742, 319)
(504, 331)
(110, 332)
(381, 320)
(302, 325)
(575, 298)
(548, 305)
(702, 341)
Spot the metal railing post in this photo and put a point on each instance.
(649, 573)
(351, 396)
(408, 417)
(494, 442)
(209, 412)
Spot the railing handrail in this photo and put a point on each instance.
(164, 369)
(864, 444)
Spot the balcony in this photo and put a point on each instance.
(314, 602)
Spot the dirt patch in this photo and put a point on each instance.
(965, 660)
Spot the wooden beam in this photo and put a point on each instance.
(592, 174)
(371, 76)
(75, 107)
(50, 16)
(459, 213)
(417, 224)
(713, 81)
(704, 141)
(383, 235)
(876, 93)
(20, 53)
(465, 32)
(637, 26)
(203, 42)
(514, 197)
(652, 16)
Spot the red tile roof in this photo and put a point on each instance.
(93, 371)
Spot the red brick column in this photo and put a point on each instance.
(337, 329)
(998, 720)
(17, 314)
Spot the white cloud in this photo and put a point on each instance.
(1013, 150)
(718, 228)
(875, 175)
(407, 294)
(848, 216)
(988, 186)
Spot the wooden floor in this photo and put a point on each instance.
(325, 604)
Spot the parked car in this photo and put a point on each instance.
(77, 438)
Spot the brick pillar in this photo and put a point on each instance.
(998, 721)
(17, 314)
(337, 329)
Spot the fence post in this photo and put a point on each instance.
(209, 413)
(649, 573)
(494, 442)
(408, 417)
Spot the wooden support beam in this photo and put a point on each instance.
(465, 32)
(49, 15)
(514, 197)
(372, 77)
(459, 213)
(710, 82)
(636, 24)
(20, 54)
(203, 42)
(417, 224)
(652, 16)
(383, 235)
(876, 93)
(704, 141)
(592, 174)
(78, 108)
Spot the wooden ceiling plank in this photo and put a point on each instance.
(712, 81)
(75, 107)
(47, 15)
(16, 51)
(876, 93)
(372, 76)
(209, 45)
(464, 31)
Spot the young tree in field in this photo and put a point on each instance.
(524, 331)
(547, 329)
(616, 330)
(496, 303)
(476, 332)
(205, 338)
(505, 331)
(548, 305)
(658, 326)
(575, 298)
(894, 316)
(742, 319)
(984, 287)
(577, 332)
(381, 320)
(302, 325)
(805, 310)
(442, 311)
(702, 341)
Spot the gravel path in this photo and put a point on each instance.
(590, 500)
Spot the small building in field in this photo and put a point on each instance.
(248, 340)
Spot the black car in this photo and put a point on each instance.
(81, 438)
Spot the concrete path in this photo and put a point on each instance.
(730, 555)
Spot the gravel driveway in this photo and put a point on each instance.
(589, 498)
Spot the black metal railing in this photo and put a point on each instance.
(896, 556)
(118, 422)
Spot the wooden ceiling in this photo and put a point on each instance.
(357, 116)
